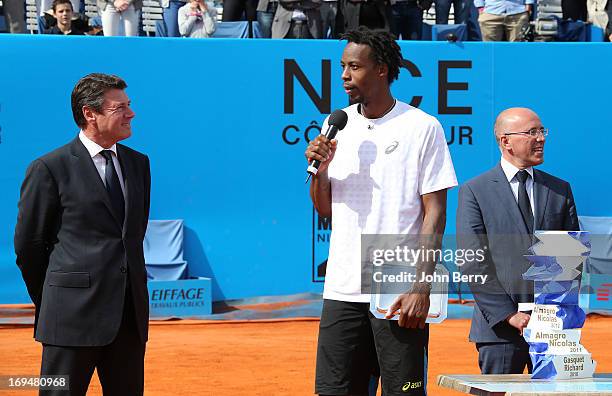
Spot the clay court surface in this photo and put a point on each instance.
(263, 358)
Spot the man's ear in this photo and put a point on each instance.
(504, 142)
(89, 114)
(383, 70)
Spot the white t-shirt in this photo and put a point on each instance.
(379, 172)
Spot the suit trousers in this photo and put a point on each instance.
(329, 10)
(461, 11)
(120, 364)
(406, 20)
(574, 9)
(502, 27)
(504, 357)
(239, 10)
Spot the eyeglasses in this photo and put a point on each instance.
(535, 132)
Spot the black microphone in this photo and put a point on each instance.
(336, 122)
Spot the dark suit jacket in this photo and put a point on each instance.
(488, 214)
(74, 255)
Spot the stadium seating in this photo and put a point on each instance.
(548, 8)
(31, 16)
(151, 14)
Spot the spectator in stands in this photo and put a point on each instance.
(170, 15)
(373, 14)
(503, 20)
(407, 18)
(197, 19)
(14, 12)
(298, 19)
(63, 13)
(117, 14)
(265, 15)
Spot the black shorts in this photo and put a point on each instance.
(355, 348)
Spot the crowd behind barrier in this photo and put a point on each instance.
(452, 20)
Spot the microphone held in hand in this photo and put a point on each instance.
(336, 122)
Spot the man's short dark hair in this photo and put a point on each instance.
(383, 45)
(58, 2)
(89, 91)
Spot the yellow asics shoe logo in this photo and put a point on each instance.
(412, 385)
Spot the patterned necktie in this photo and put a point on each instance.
(523, 200)
(113, 187)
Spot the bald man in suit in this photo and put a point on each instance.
(500, 209)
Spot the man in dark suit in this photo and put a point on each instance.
(82, 218)
(500, 209)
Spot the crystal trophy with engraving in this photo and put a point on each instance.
(554, 330)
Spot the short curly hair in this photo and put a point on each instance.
(384, 48)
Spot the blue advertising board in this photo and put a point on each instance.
(180, 298)
(226, 122)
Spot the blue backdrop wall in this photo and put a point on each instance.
(225, 124)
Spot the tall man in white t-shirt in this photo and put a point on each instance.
(386, 172)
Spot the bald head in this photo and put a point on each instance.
(520, 149)
(513, 119)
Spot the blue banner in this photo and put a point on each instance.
(226, 122)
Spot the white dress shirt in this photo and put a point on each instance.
(99, 161)
(510, 171)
